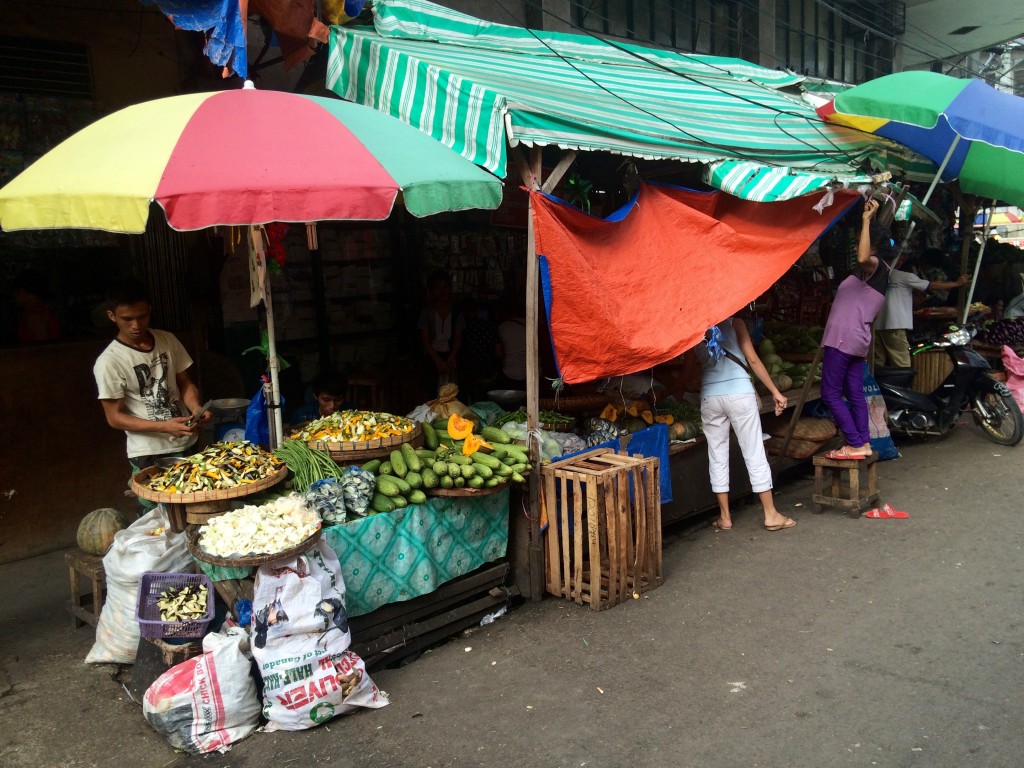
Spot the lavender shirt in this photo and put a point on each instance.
(857, 301)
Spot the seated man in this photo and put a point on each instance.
(329, 388)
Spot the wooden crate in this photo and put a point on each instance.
(604, 534)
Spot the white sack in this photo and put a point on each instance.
(136, 550)
(300, 640)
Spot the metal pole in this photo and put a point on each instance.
(927, 197)
(977, 264)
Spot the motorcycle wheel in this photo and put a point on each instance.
(999, 417)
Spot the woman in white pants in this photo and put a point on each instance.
(728, 400)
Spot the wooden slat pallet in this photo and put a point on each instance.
(398, 630)
(606, 527)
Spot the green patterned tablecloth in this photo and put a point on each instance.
(412, 551)
(400, 555)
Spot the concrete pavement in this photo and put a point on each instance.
(842, 642)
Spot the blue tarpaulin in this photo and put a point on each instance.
(220, 20)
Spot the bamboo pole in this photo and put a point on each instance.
(801, 401)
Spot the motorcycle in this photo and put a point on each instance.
(968, 386)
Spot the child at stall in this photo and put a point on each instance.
(329, 390)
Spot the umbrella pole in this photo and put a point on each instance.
(276, 421)
(924, 201)
(977, 264)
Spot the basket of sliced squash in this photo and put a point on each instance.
(353, 435)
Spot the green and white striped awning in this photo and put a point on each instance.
(753, 181)
(479, 87)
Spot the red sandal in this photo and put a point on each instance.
(886, 512)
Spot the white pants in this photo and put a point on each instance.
(718, 413)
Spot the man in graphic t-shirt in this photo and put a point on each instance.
(143, 381)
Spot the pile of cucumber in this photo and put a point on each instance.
(408, 473)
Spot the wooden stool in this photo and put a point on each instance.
(154, 657)
(846, 495)
(91, 567)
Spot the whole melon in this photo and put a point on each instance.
(97, 529)
(782, 382)
(634, 425)
(683, 430)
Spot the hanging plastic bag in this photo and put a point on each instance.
(257, 424)
(878, 420)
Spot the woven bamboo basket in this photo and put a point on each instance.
(930, 369)
(186, 508)
(249, 560)
(140, 486)
(457, 492)
(364, 450)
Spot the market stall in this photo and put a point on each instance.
(658, 111)
(304, 546)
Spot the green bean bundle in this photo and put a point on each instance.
(307, 464)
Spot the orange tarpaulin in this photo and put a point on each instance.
(625, 295)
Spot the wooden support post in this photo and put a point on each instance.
(567, 159)
(530, 172)
(533, 407)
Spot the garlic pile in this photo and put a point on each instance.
(273, 527)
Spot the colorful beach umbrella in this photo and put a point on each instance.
(972, 131)
(241, 157)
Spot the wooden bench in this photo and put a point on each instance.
(91, 568)
(853, 484)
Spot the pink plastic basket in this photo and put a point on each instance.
(148, 613)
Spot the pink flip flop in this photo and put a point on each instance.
(844, 454)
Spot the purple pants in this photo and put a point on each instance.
(843, 374)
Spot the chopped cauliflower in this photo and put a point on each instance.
(273, 527)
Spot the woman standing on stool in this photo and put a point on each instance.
(847, 337)
(728, 400)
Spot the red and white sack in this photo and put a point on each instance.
(1014, 367)
(300, 640)
(146, 545)
(209, 702)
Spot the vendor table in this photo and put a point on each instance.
(400, 555)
